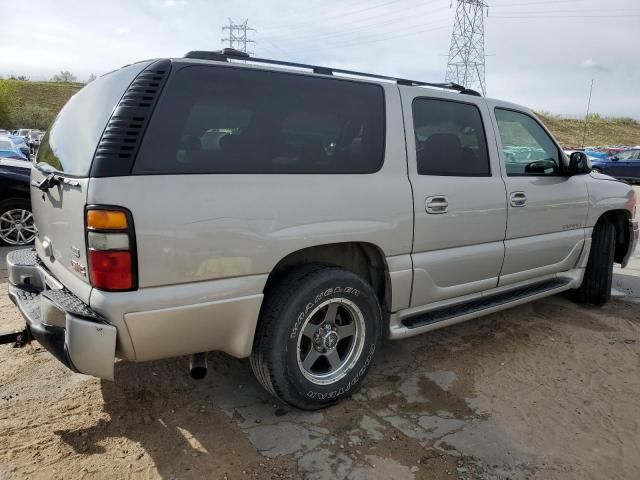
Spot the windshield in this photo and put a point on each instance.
(69, 145)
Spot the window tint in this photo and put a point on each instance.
(528, 149)
(237, 120)
(450, 139)
(69, 145)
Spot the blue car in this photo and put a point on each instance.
(21, 143)
(8, 149)
(625, 165)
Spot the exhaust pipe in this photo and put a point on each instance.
(198, 366)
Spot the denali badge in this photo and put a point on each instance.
(79, 268)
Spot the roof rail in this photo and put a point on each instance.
(233, 54)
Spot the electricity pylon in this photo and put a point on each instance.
(238, 35)
(466, 65)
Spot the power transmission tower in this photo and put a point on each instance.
(238, 35)
(466, 64)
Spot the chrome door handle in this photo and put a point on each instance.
(437, 204)
(518, 199)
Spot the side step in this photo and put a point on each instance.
(477, 305)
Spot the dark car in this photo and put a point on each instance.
(625, 165)
(16, 221)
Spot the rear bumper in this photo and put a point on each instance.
(634, 233)
(64, 325)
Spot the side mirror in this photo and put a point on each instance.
(579, 164)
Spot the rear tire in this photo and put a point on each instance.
(596, 285)
(319, 329)
(596, 169)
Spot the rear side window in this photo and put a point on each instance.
(450, 139)
(237, 120)
(69, 145)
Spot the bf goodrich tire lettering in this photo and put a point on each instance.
(318, 333)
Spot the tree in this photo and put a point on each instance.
(23, 78)
(6, 101)
(65, 76)
(91, 78)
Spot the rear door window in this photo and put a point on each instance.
(236, 120)
(450, 139)
(69, 145)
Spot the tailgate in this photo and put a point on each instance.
(60, 243)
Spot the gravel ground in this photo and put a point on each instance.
(545, 390)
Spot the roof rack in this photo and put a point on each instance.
(233, 54)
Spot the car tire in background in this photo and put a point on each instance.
(318, 331)
(596, 169)
(16, 222)
(596, 285)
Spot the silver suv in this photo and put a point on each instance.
(296, 216)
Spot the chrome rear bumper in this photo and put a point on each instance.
(64, 325)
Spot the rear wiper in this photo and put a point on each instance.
(53, 180)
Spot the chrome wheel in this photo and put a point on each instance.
(17, 227)
(331, 341)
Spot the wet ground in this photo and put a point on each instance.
(545, 390)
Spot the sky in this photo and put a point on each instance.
(540, 53)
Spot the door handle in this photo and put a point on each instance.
(436, 205)
(518, 199)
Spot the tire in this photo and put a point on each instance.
(596, 285)
(299, 356)
(596, 169)
(10, 211)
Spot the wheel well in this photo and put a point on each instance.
(361, 258)
(619, 219)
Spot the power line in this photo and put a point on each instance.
(238, 35)
(466, 65)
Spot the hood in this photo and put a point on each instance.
(602, 176)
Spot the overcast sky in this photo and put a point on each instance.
(543, 53)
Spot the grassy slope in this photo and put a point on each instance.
(569, 132)
(52, 96)
(38, 99)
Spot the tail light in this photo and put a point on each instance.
(111, 249)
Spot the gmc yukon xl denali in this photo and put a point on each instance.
(295, 215)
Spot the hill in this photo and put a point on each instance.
(600, 131)
(35, 104)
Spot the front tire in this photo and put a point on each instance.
(318, 332)
(596, 285)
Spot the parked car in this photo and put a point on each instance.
(16, 220)
(624, 165)
(8, 149)
(22, 144)
(334, 210)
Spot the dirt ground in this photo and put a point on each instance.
(545, 390)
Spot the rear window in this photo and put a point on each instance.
(69, 145)
(236, 120)
(450, 139)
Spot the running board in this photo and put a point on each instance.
(478, 305)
